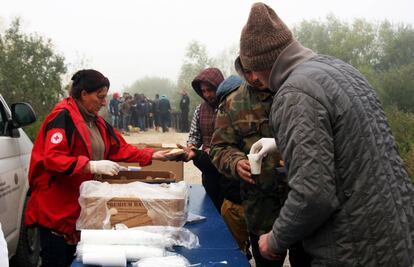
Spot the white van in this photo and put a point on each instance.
(15, 148)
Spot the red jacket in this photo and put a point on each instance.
(61, 150)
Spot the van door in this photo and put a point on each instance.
(12, 178)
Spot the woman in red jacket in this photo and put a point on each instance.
(72, 145)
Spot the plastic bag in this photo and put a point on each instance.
(154, 236)
(195, 218)
(180, 236)
(169, 261)
(104, 204)
(130, 252)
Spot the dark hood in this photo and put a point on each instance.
(212, 76)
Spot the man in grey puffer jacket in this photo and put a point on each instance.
(351, 200)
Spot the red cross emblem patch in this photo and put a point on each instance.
(56, 138)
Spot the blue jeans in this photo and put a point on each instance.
(141, 122)
(115, 121)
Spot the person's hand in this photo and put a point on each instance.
(189, 146)
(176, 154)
(160, 155)
(243, 170)
(106, 167)
(189, 153)
(263, 147)
(265, 250)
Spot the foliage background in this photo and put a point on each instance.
(384, 54)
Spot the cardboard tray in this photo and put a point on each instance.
(154, 177)
(176, 167)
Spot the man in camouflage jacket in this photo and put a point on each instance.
(242, 119)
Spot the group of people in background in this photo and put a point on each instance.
(140, 111)
(145, 113)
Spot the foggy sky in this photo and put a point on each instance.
(129, 39)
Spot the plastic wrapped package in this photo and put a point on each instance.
(169, 261)
(180, 236)
(153, 236)
(116, 258)
(130, 252)
(116, 247)
(134, 204)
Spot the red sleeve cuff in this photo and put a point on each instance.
(145, 156)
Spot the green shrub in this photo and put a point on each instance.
(409, 162)
(32, 129)
(402, 126)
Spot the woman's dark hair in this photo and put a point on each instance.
(87, 80)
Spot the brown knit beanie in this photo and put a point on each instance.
(263, 38)
(238, 67)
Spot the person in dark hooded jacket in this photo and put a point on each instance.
(202, 125)
(351, 200)
(224, 193)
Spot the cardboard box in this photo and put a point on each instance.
(132, 212)
(146, 176)
(136, 204)
(176, 167)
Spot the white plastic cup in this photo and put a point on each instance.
(255, 163)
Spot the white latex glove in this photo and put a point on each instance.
(104, 167)
(263, 147)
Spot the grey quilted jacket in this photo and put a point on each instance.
(351, 200)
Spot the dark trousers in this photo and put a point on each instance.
(157, 120)
(297, 255)
(184, 122)
(210, 178)
(55, 252)
(165, 121)
(211, 184)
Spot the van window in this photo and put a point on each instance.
(2, 120)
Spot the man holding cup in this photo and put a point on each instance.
(242, 120)
(350, 200)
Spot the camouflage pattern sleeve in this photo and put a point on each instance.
(224, 145)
